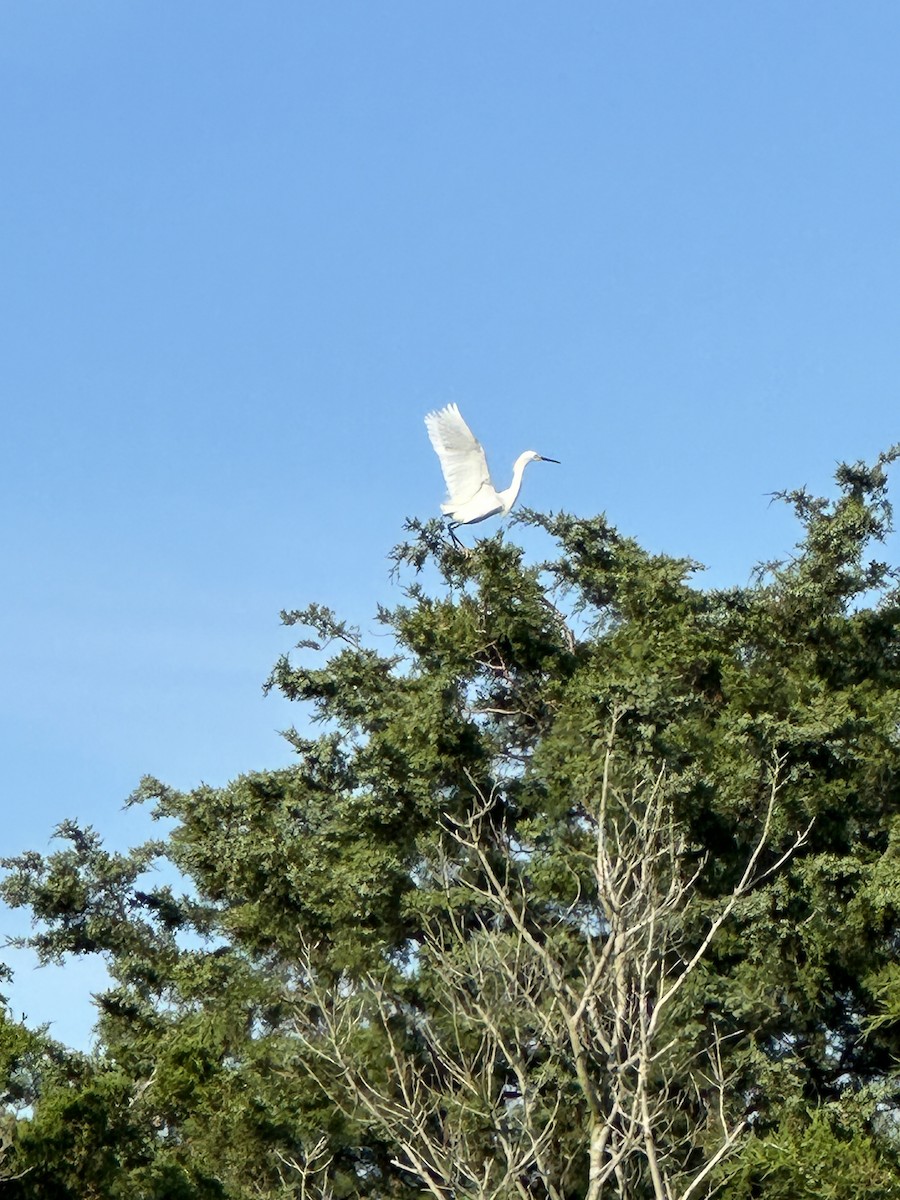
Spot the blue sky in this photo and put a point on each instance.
(245, 247)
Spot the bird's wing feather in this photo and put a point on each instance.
(462, 455)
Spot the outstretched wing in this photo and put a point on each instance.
(462, 456)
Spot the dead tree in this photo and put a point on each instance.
(552, 1051)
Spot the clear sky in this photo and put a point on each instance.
(245, 247)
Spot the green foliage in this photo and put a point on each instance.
(500, 680)
(827, 1155)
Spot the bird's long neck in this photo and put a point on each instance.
(509, 495)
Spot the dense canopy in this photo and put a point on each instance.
(589, 886)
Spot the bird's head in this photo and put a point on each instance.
(533, 456)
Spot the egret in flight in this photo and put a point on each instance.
(471, 495)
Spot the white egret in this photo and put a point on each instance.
(471, 497)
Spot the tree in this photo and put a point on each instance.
(534, 1003)
(587, 888)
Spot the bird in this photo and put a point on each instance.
(471, 497)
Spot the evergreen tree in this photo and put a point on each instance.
(588, 887)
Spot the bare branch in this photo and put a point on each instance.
(551, 1022)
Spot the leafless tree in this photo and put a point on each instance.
(307, 1175)
(556, 1057)
(8, 1122)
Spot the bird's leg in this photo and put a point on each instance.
(451, 529)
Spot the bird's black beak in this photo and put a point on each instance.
(556, 460)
